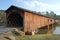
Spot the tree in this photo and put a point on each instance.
(52, 14)
(2, 17)
(47, 13)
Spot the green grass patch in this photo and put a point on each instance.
(39, 37)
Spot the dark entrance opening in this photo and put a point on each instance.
(15, 19)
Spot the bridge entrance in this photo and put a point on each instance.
(15, 19)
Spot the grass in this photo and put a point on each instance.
(39, 37)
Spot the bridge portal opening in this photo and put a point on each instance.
(15, 19)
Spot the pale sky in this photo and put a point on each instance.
(34, 5)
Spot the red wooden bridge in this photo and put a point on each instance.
(28, 20)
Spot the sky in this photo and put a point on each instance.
(34, 5)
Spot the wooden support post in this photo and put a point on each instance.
(48, 25)
(52, 25)
(32, 32)
(48, 29)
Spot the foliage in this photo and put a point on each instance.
(2, 17)
(51, 14)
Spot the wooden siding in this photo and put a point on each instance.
(33, 21)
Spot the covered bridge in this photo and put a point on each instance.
(28, 20)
